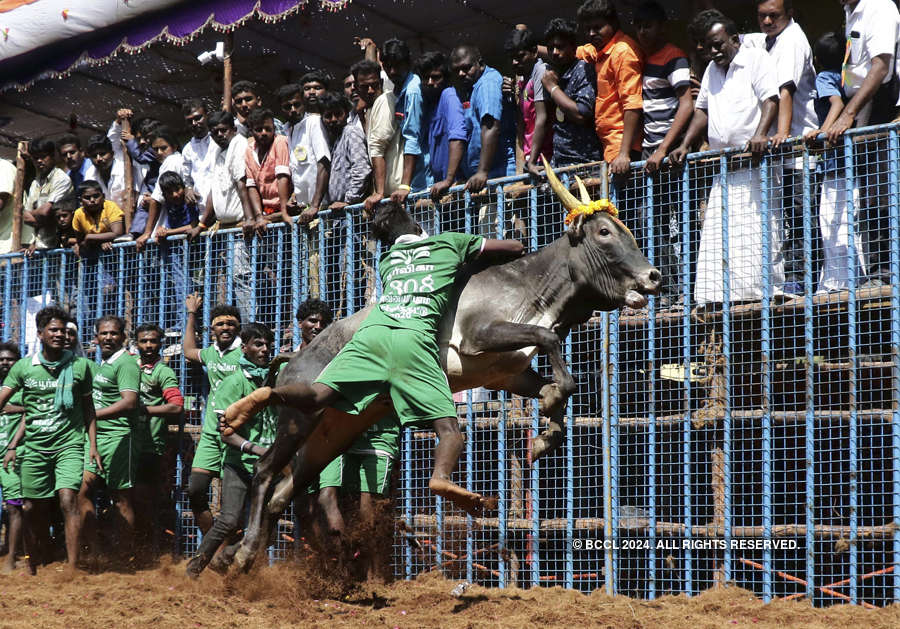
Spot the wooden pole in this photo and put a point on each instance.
(226, 74)
(18, 196)
(129, 177)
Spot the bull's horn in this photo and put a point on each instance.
(567, 198)
(582, 190)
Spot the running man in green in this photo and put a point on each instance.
(117, 380)
(56, 392)
(10, 479)
(395, 350)
(220, 360)
(245, 445)
(160, 404)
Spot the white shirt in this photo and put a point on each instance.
(228, 170)
(7, 184)
(114, 189)
(733, 97)
(308, 144)
(198, 158)
(876, 26)
(793, 65)
(171, 164)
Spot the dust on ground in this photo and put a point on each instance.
(271, 597)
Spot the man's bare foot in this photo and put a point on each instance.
(474, 504)
(244, 409)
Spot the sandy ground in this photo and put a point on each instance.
(279, 597)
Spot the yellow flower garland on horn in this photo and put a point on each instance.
(601, 205)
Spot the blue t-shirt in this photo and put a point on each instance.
(179, 216)
(487, 100)
(828, 84)
(577, 143)
(447, 123)
(409, 113)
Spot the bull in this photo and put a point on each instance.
(502, 317)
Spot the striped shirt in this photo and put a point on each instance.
(665, 71)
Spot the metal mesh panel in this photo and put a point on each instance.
(742, 428)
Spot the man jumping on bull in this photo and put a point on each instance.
(395, 352)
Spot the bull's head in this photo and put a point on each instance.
(604, 254)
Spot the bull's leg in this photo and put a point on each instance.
(505, 337)
(279, 455)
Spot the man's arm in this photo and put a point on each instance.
(10, 455)
(490, 138)
(879, 69)
(622, 162)
(323, 174)
(152, 217)
(682, 116)
(785, 114)
(697, 126)
(115, 230)
(189, 340)
(284, 194)
(760, 140)
(360, 167)
(541, 123)
(128, 402)
(501, 250)
(456, 149)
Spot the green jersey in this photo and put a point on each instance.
(112, 377)
(9, 422)
(155, 379)
(219, 365)
(45, 427)
(417, 277)
(260, 430)
(380, 438)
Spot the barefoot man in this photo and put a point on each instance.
(395, 352)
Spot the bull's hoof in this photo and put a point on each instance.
(545, 443)
(221, 561)
(244, 409)
(243, 559)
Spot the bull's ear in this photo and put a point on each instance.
(576, 230)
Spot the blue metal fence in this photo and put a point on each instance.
(729, 433)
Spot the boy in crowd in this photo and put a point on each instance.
(245, 445)
(58, 427)
(220, 359)
(268, 169)
(198, 155)
(310, 156)
(618, 65)
(443, 124)
(668, 107)
(65, 214)
(116, 383)
(178, 216)
(49, 186)
(73, 155)
(395, 349)
(165, 145)
(245, 97)
(229, 204)
(536, 135)
(96, 224)
(834, 217)
(569, 85)
(10, 478)
(160, 403)
(108, 168)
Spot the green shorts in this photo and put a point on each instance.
(119, 460)
(46, 472)
(11, 480)
(402, 363)
(367, 472)
(329, 477)
(208, 453)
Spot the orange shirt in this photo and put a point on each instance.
(264, 176)
(619, 68)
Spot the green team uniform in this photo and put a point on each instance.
(152, 430)
(395, 349)
(219, 365)
(366, 467)
(54, 440)
(11, 480)
(117, 440)
(260, 430)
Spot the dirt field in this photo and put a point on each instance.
(274, 597)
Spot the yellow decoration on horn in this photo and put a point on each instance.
(571, 203)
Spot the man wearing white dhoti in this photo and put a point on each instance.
(737, 105)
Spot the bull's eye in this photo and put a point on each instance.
(604, 231)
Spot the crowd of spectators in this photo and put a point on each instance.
(578, 91)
